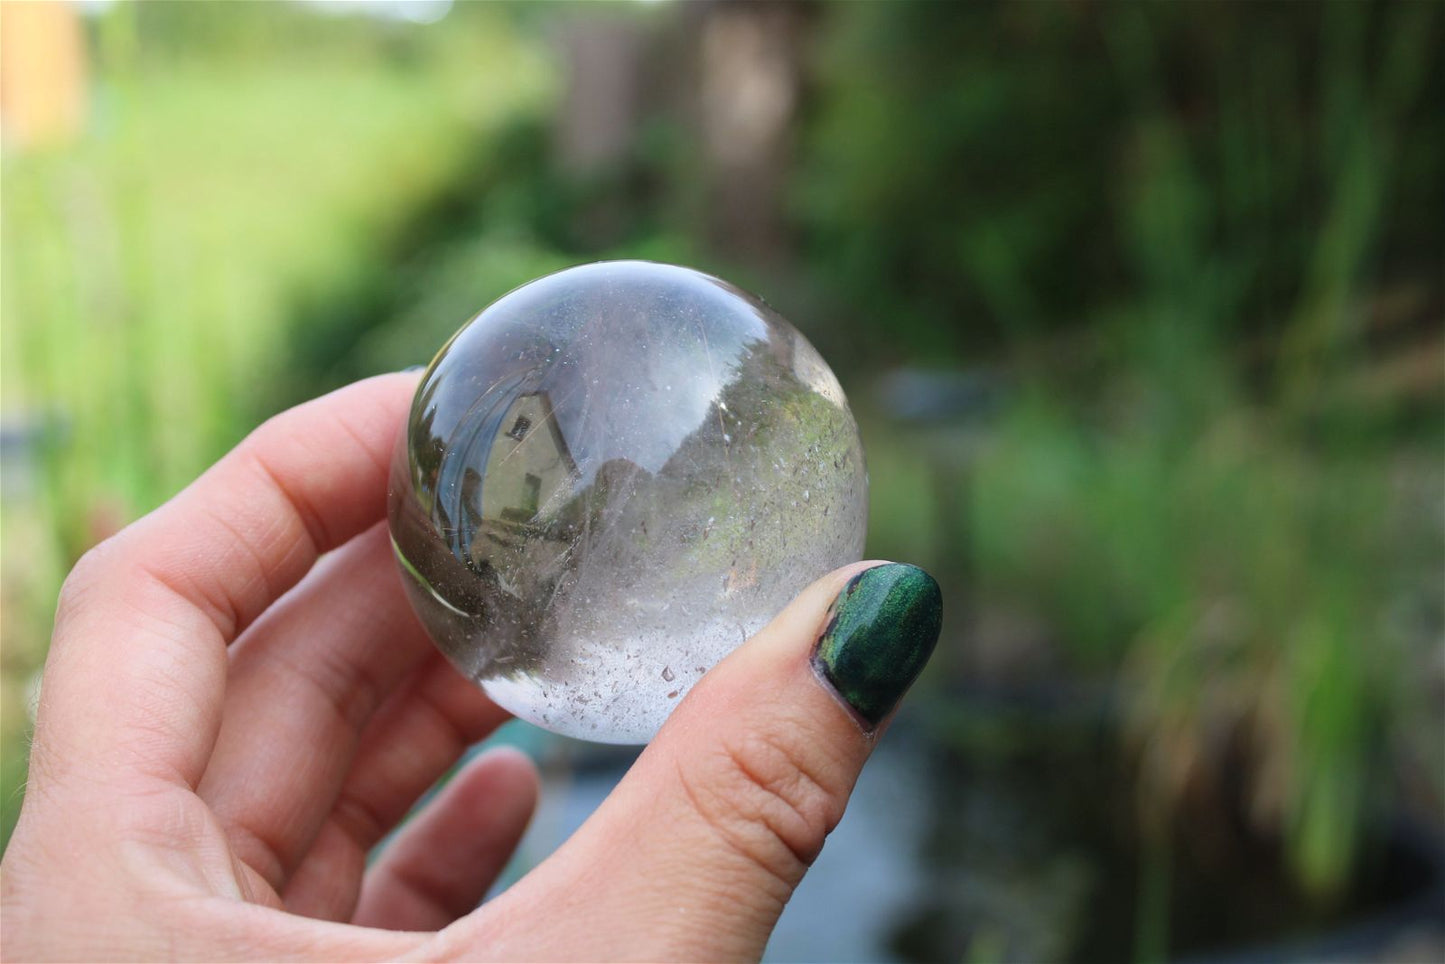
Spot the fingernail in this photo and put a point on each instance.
(413, 368)
(880, 632)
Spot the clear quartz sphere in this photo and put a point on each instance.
(612, 477)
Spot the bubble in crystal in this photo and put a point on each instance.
(610, 478)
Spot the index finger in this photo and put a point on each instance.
(137, 667)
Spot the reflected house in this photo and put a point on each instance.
(528, 469)
(496, 534)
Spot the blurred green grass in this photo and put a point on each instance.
(153, 267)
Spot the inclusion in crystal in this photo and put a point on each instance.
(610, 478)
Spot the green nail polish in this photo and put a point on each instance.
(881, 630)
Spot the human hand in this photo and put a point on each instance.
(228, 725)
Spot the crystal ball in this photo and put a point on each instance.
(610, 478)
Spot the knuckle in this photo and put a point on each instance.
(772, 799)
(89, 572)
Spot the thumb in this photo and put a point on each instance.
(697, 851)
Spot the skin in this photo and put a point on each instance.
(230, 721)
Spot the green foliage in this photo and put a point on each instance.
(977, 176)
(1239, 587)
(1176, 226)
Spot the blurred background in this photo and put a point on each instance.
(1141, 309)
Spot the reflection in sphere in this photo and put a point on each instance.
(610, 478)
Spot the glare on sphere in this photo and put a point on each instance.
(612, 477)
